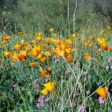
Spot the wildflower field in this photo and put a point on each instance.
(55, 61)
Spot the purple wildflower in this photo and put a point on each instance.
(101, 100)
(38, 105)
(40, 100)
(35, 81)
(15, 85)
(110, 60)
(108, 93)
(56, 56)
(111, 67)
(68, 71)
(47, 99)
(57, 60)
(84, 73)
(13, 97)
(58, 105)
(46, 80)
(85, 79)
(42, 96)
(88, 92)
(74, 103)
(107, 67)
(23, 88)
(36, 85)
(82, 109)
(89, 77)
(76, 94)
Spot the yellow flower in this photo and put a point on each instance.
(54, 34)
(47, 53)
(33, 65)
(39, 39)
(102, 92)
(44, 91)
(43, 73)
(70, 41)
(69, 58)
(51, 30)
(7, 37)
(87, 56)
(102, 31)
(7, 54)
(50, 86)
(40, 55)
(12, 64)
(17, 57)
(87, 31)
(103, 43)
(22, 43)
(39, 34)
(60, 52)
(109, 27)
(24, 54)
(92, 37)
(91, 45)
(43, 59)
(18, 46)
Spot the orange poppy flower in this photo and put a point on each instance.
(0, 61)
(43, 59)
(28, 48)
(50, 86)
(35, 52)
(22, 43)
(102, 92)
(17, 57)
(56, 41)
(32, 42)
(92, 37)
(7, 37)
(64, 45)
(48, 40)
(48, 48)
(109, 27)
(7, 54)
(87, 56)
(44, 91)
(51, 30)
(33, 65)
(91, 45)
(111, 48)
(39, 39)
(48, 69)
(39, 34)
(47, 53)
(70, 41)
(59, 52)
(103, 43)
(40, 55)
(24, 54)
(86, 44)
(69, 58)
(96, 52)
(69, 50)
(18, 46)
(43, 73)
